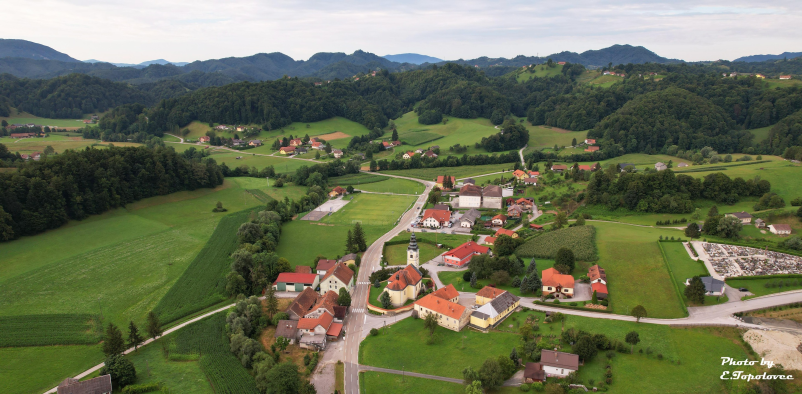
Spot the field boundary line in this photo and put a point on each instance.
(673, 279)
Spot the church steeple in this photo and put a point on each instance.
(413, 256)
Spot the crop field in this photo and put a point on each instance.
(461, 172)
(26, 370)
(386, 383)
(416, 138)
(43, 330)
(203, 282)
(356, 179)
(371, 209)
(393, 185)
(579, 239)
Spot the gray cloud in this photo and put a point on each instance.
(182, 30)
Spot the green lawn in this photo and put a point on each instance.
(178, 376)
(684, 267)
(758, 286)
(371, 209)
(465, 132)
(24, 118)
(636, 272)
(25, 370)
(455, 278)
(393, 185)
(397, 254)
(386, 383)
(760, 134)
(375, 292)
(430, 174)
(59, 143)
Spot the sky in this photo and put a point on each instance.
(125, 31)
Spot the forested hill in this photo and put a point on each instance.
(763, 58)
(31, 50)
(616, 54)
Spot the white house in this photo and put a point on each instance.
(780, 229)
(558, 364)
(337, 277)
(470, 196)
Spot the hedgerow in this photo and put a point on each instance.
(580, 239)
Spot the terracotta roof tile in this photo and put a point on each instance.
(447, 293)
(324, 320)
(303, 302)
(409, 276)
(553, 278)
(441, 306)
(341, 272)
(489, 292)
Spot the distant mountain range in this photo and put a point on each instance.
(31, 50)
(140, 65)
(412, 58)
(616, 54)
(763, 58)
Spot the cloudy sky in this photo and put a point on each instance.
(186, 30)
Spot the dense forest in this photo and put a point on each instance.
(75, 184)
(666, 192)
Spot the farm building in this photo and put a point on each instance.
(780, 229)
(744, 217)
(290, 281)
(461, 255)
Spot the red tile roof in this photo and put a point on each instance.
(335, 330)
(328, 301)
(502, 217)
(591, 149)
(441, 306)
(338, 190)
(441, 178)
(504, 231)
(599, 288)
(325, 265)
(447, 293)
(303, 302)
(324, 320)
(518, 173)
(584, 167)
(489, 292)
(439, 215)
(341, 272)
(303, 269)
(409, 276)
(490, 240)
(287, 149)
(553, 278)
(466, 250)
(596, 272)
(291, 277)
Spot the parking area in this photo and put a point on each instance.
(327, 208)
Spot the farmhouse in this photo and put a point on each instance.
(470, 196)
(286, 150)
(205, 138)
(419, 151)
(518, 174)
(386, 144)
(503, 231)
(499, 220)
(785, 77)
(337, 153)
(490, 314)
(597, 274)
(288, 329)
(584, 167)
(324, 265)
(780, 229)
(318, 145)
(559, 167)
(744, 217)
(325, 304)
(487, 294)
(759, 223)
(314, 331)
(337, 191)
(296, 142)
(430, 154)
(302, 304)
(441, 179)
(290, 281)
(530, 181)
(592, 148)
(408, 155)
(555, 282)
(514, 211)
(600, 289)
(713, 287)
(590, 141)
(336, 278)
(469, 218)
(461, 255)
(434, 218)
(449, 314)
(558, 364)
(98, 385)
(682, 165)
(24, 135)
(404, 285)
(255, 143)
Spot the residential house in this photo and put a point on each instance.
(98, 385)
(430, 154)
(682, 165)
(435, 218)
(296, 142)
(404, 285)
(623, 166)
(527, 203)
(221, 127)
(530, 181)
(314, 330)
(448, 293)
(468, 219)
(469, 181)
(590, 141)
(713, 287)
(780, 229)
(487, 294)
(396, 143)
(759, 223)
(499, 220)
(584, 167)
(519, 174)
(205, 138)
(592, 148)
(255, 142)
(303, 303)
(290, 281)
(561, 63)
(325, 304)
(318, 145)
(286, 150)
(785, 77)
(336, 278)
(534, 174)
(490, 314)
(288, 329)
(440, 179)
(555, 282)
(441, 207)
(449, 314)
(240, 128)
(597, 274)
(660, 166)
(337, 191)
(559, 167)
(470, 196)
(324, 265)
(744, 217)
(504, 231)
(461, 255)
(514, 211)
(490, 241)
(387, 145)
(558, 364)
(408, 155)
(419, 151)
(348, 259)
(337, 153)
(300, 150)
(237, 142)
(491, 197)
(600, 289)
(533, 372)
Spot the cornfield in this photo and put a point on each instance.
(203, 283)
(579, 239)
(43, 330)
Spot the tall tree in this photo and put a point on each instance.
(121, 369)
(154, 326)
(430, 323)
(633, 339)
(585, 348)
(394, 136)
(349, 242)
(271, 302)
(113, 342)
(692, 231)
(695, 291)
(639, 312)
(134, 338)
(344, 298)
(360, 243)
(565, 261)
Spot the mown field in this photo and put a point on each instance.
(26, 370)
(397, 254)
(371, 209)
(59, 143)
(697, 350)
(42, 330)
(430, 174)
(759, 286)
(379, 382)
(540, 71)
(579, 239)
(465, 132)
(547, 136)
(25, 118)
(378, 183)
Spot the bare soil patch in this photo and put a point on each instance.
(777, 346)
(333, 136)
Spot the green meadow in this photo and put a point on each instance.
(684, 267)
(430, 174)
(25, 370)
(386, 383)
(26, 118)
(465, 132)
(547, 136)
(540, 71)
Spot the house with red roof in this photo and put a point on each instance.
(519, 174)
(461, 255)
(404, 285)
(296, 142)
(592, 149)
(318, 145)
(337, 191)
(584, 167)
(504, 231)
(205, 138)
(408, 155)
(449, 314)
(386, 144)
(534, 174)
(287, 150)
(499, 220)
(561, 63)
(600, 289)
(529, 181)
(559, 167)
(290, 281)
(324, 265)
(435, 218)
(590, 141)
(448, 292)
(441, 178)
(555, 282)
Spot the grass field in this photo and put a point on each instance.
(393, 185)
(758, 286)
(281, 164)
(25, 118)
(43, 330)
(178, 376)
(458, 172)
(579, 239)
(26, 370)
(540, 71)
(60, 143)
(785, 83)
(636, 272)
(371, 209)
(397, 254)
(386, 383)
(683, 267)
(455, 277)
(547, 136)
(761, 134)
(465, 132)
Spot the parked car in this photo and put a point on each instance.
(743, 289)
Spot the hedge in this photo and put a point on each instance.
(580, 308)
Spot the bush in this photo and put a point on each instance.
(142, 388)
(374, 332)
(573, 304)
(524, 387)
